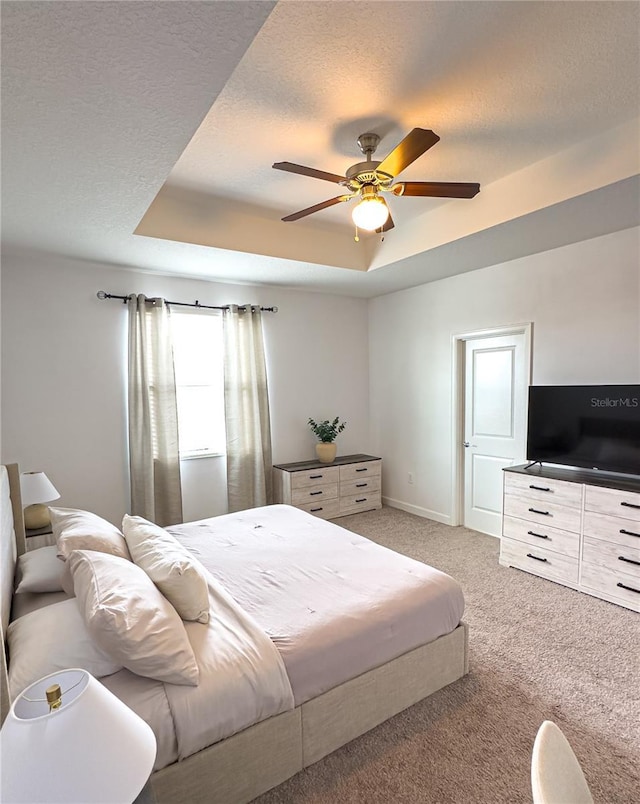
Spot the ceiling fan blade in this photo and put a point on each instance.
(441, 189)
(412, 146)
(316, 208)
(307, 171)
(388, 225)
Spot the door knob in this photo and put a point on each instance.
(467, 444)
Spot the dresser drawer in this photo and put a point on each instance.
(560, 541)
(315, 477)
(604, 582)
(613, 502)
(310, 494)
(612, 529)
(360, 502)
(617, 559)
(325, 509)
(555, 566)
(353, 471)
(543, 489)
(360, 485)
(542, 513)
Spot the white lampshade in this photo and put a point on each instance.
(370, 214)
(93, 749)
(35, 487)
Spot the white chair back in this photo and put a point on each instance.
(556, 775)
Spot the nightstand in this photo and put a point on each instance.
(39, 537)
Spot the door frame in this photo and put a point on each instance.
(458, 347)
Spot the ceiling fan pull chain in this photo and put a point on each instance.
(356, 238)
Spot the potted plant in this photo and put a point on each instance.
(327, 433)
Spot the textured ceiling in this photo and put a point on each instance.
(107, 107)
(503, 84)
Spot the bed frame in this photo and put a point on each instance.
(253, 761)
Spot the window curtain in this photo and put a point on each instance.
(246, 403)
(153, 417)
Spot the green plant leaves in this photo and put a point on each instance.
(327, 431)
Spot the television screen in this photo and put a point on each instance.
(590, 426)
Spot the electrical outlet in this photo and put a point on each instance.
(410, 478)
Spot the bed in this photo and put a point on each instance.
(351, 661)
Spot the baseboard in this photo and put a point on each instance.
(445, 519)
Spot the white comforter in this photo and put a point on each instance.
(242, 677)
(334, 603)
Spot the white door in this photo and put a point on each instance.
(496, 382)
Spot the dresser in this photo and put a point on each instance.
(352, 483)
(574, 528)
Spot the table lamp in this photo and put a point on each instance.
(69, 739)
(36, 489)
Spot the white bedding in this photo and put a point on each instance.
(242, 681)
(242, 677)
(334, 603)
(298, 605)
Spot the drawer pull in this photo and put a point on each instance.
(628, 588)
(361, 499)
(539, 535)
(315, 477)
(363, 469)
(540, 488)
(630, 505)
(537, 558)
(361, 485)
(543, 513)
(314, 493)
(314, 510)
(629, 560)
(629, 533)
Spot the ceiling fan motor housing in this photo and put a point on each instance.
(367, 173)
(364, 173)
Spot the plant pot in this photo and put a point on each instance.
(326, 452)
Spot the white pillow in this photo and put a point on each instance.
(177, 574)
(128, 617)
(81, 530)
(50, 639)
(39, 571)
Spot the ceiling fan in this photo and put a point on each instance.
(367, 180)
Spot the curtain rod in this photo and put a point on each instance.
(102, 295)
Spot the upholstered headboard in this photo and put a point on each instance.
(12, 545)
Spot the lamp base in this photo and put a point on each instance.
(36, 516)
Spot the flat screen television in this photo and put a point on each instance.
(589, 426)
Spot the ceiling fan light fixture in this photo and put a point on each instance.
(370, 214)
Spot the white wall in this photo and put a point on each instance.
(64, 368)
(584, 302)
(63, 364)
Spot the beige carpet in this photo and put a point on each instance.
(537, 650)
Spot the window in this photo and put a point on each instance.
(199, 369)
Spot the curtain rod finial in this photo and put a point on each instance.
(101, 295)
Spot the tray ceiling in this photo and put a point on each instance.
(164, 119)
